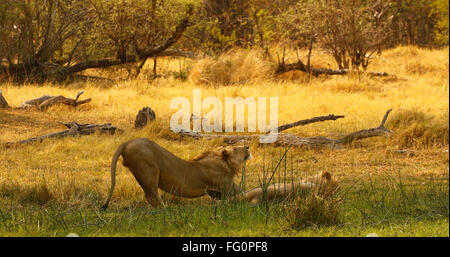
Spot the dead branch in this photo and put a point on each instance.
(3, 103)
(73, 129)
(145, 115)
(365, 133)
(288, 139)
(86, 78)
(141, 53)
(299, 65)
(176, 53)
(45, 101)
(290, 125)
(311, 142)
(309, 121)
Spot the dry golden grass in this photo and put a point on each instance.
(75, 171)
(234, 67)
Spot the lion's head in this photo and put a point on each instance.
(325, 185)
(234, 156)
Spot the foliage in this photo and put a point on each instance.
(222, 25)
(43, 39)
(53, 39)
(440, 9)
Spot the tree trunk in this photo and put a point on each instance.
(3, 102)
(143, 117)
(41, 70)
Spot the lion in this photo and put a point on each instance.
(154, 167)
(322, 184)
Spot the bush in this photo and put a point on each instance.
(313, 211)
(38, 194)
(234, 67)
(414, 128)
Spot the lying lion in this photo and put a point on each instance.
(154, 167)
(322, 185)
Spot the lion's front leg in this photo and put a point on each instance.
(215, 194)
(229, 189)
(154, 199)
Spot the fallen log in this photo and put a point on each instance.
(73, 129)
(293, 140)
(45, 101)
(282, 139)
(87, 129)
(299, 65)
(3, 103)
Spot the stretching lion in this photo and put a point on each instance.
(154, 167)
(322, 184)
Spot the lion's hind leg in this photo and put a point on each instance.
(149, 181)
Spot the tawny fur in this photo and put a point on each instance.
(321, 184)
(154, 167)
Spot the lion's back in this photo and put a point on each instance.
(143, 149)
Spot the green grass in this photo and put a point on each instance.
(230, 220)
(386, 205)
(56, 187)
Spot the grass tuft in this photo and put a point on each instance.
(415, 128)
(313, 211)
(38, 194)
(237, 66)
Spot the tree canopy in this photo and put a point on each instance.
(55, 39)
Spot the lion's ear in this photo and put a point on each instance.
(326, 175)
(225, 155)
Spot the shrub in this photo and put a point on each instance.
(39, 194)
(313, 211)
(414, 128)
(317, 208)
(234, 67)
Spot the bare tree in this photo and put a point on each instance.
(3, 103)
(352, 31)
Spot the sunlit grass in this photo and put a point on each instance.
(73, 173)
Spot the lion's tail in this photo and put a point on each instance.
(113, 173)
